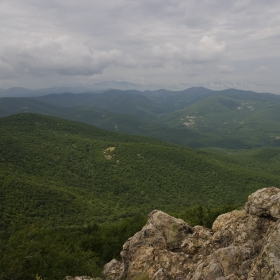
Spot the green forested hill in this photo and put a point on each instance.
(237, 122)
(129, 102)
(71, 194)
(16, 105)
(52, 167)
(119, 122)
(196, 117)
(175, 100)
(263, 158)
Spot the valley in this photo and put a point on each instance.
(196, 117)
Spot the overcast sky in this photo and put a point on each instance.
(182, 43)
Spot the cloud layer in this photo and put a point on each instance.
(61, 55)
(188, 43)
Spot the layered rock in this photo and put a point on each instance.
(243, 244)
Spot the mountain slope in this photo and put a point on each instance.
(175, 100)
(123, 123)
(16, 105)
(249, 120)
(52, 167)
(71, 194)
(115, 101)
(196, 117)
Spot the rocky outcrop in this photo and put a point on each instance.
(81, 278)
(243, 244)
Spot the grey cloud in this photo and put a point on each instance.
(206, 50)
(62, 55)
(262, 69)
(225, 69)
(6, 70)
(124, 39)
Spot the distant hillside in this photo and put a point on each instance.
(240, 118)
(16, 92)
(147, 104)
(12, 105)
(115, 101)
(195, 117)
(93, 88)
(263, 158)
(123, 123)
(175, 100)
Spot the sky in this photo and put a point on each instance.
(175, 44)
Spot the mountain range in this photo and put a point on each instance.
(196, 117)
(95, 87)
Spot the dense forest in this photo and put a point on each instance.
(71, 193)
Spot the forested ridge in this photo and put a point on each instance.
(71, 194)
(195, 117)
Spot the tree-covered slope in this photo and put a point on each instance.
(263, 158)
(71, 194)
(115, 101)
(195, 117)
(175, 100)
(229, 118)
(145, 104)
(122, 123)
(249, 122)
(66, 173)
(17, 105)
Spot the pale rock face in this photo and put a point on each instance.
(113, 269)
(156, 243)
(264, 202)
(243, 244)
